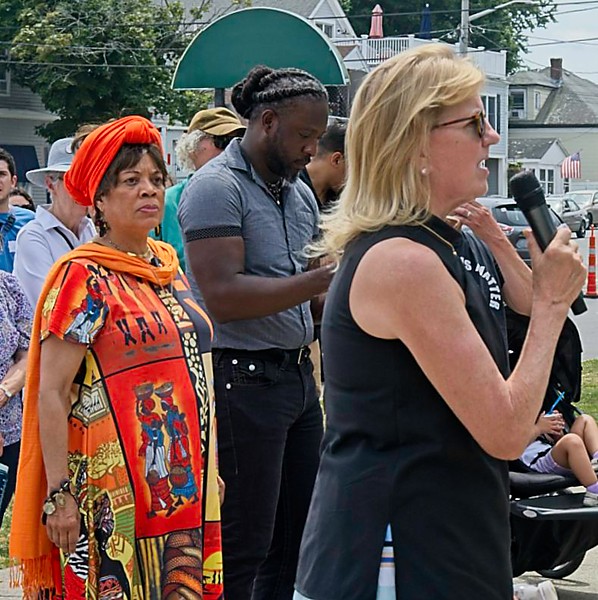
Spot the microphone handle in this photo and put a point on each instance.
(542, 225)
(544, 230)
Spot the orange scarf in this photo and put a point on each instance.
(30, 549)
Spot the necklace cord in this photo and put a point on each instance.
(147, 255)
(443, 240)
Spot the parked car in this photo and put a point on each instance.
(513, 222)
(588, 201)
(570, 213)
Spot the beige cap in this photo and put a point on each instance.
(216, 121)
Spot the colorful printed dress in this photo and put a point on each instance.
(142, 448)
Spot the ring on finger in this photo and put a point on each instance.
(468, 214)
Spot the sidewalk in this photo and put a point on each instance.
(5, 590)
(582, 585)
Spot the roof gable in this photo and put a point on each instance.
(532, 148)
(218, 8)
(572, 102)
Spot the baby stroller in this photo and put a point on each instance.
(550, 529)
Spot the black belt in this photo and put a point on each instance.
(278, 355)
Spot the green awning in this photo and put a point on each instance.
(224, 52)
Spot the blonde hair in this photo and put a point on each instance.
(393, 114)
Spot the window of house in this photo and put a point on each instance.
(327, 28)
(492, 110)
(537, 100)
(547, 180)
(4, 76)
(517, 104)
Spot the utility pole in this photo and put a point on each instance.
(464, 29)
(466, 19)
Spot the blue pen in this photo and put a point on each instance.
(559, 398)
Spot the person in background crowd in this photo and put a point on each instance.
(246, 218)
(119, 472)
(325, 176)
(208, 134)
(12, 218)
(82, 132)
(57, 228)
(19, 197)
(422, 410)
(15, 332)
(325, 172)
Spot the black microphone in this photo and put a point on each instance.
(529, 195)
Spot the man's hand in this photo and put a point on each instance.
(326, 266)
(221, 490)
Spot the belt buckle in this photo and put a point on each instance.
(302, 354)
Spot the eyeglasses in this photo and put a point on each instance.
(479, 120)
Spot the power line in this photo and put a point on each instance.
(456, 11)
(112, 48)
(355, 60)
(86, 65)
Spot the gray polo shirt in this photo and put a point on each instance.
(227, 198)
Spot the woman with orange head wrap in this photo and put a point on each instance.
(117, 489)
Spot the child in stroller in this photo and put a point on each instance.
(552, 450)
(551, 529)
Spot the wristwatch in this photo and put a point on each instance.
(6, 391)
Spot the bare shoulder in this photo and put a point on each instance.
(390, 265)
(394, 281)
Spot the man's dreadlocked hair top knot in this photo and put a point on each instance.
(264, 86)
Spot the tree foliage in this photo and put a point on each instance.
(91, 60)
(501, 30)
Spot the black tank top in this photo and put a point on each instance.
(393, 452)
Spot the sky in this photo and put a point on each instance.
(575, 20)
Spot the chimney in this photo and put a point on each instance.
(556, 69)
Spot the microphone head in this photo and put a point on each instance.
(526, 190)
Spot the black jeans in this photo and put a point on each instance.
(269, 432)
(10, 458)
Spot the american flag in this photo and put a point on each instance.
(571, 167)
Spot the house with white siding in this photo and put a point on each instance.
(21, 112)
(543, 156)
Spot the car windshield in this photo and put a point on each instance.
(555, 204)
(580, 197)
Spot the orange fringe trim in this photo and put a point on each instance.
(33, 575)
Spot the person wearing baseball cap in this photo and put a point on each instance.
(57, 228)
(208, 134)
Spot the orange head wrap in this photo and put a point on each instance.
(99, 149)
